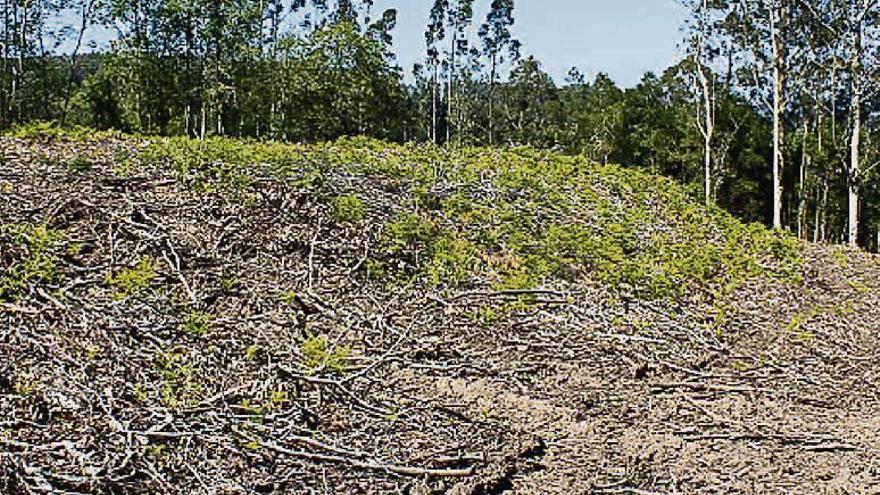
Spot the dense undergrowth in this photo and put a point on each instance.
(510, 219)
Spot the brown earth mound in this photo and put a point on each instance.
(193, 344)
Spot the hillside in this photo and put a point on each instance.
(357, 317)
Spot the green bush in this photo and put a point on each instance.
(347, 209)
(556, 216)
(29, 255)
(80, 163)
(198, 324)
(181, 386)
(130, 281)
(317, 356)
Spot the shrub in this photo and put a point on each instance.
(80, 163)
(30, 255)
(411, 231)
(347, 209)
(375, 269)
(131, 281)
(198, 324)
(557, 216)
(180, 383)
(452, 261)
(317, 356)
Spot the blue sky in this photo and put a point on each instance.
(623, 38)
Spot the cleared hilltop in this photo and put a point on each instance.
(358, 317)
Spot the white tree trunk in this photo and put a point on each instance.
(451, 84)
(434, 105)
(802, 187)
(854, 169)
(708, 129)
(778, 131)
(854, 172)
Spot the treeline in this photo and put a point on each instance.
(771, 115)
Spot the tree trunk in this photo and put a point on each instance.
(434, 104)
(708, 126)
(778, 129)
(451, 84)
(802, 186)
(707, 165)
(823, 232)
(6, 40)
(854, 171)
(817, 217)
(22, 48)
(492, 100)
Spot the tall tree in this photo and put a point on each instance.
(498, 46)
(858, 23)
(702, 50)
(434, 35)
(459, 15)
(766, 32)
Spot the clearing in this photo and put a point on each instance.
(356, 317)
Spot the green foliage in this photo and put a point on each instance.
(131, 281)
(318, 356)
(335, 76)
(452, 262)
(411, 231)
(29, 256)
(181, 386)
(347, 209)
(198, 324)
(80, 163)
(276, 400)
(548, 216)
(375, 269)
(840, 257)
(798, 323)
(551, 216)
(289, 297)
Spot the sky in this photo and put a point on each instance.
(623, 38)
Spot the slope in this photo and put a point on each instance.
(357, 317)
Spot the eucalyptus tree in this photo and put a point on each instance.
(30, 33)
(530, 105)
(498, 46)
(768, 35)
(845, 42)
(857, 25)
(434, 36)
(459, 15)
(87, 11)
(703, 39)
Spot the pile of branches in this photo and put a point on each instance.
(161, 334)
(189, 342)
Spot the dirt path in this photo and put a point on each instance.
(655, 409)
(685, 437)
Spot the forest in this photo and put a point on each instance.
(770, 114)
